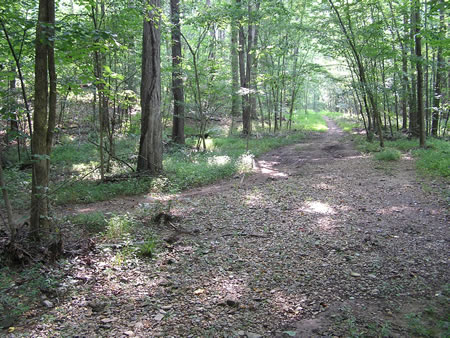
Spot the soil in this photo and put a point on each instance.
(319, 241)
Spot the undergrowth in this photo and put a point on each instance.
(433, 160)
(23, 290)
(74, 163)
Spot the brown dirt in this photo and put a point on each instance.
(319, 241)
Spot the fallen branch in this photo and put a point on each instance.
(114, 157)
(243, 234)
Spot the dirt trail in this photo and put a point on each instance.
(320, 241)
(317, 148)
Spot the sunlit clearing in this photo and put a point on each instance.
(219, 160)
(318, 208)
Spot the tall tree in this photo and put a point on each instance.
(419, 67)
(150, 145)
(438, 78)
(234, 71)
(177, 75)
(43, 119)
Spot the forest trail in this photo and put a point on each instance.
(320, 241)
(317, 148)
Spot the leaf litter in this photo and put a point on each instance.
(317, 242)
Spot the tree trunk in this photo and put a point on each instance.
(150, 145)
(177, 75)
(235, 98)
(438, 78)
(413, 127)
(10, 221)
(43, 121)
(419, 67)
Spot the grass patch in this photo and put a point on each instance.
(388, 154)
(435, 159)
(311, 121)
(119, 226)
(148, 248)
(94, 222)
(90, 191)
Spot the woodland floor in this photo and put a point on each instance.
(320, 241)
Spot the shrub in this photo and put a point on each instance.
(388, 154)
(119, 226)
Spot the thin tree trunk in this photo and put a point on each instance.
(235, 97)
(420, 110)
(43, 119)
(177, 75)
(438, 78)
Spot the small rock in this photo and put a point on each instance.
(108, 320)
(139, 325)
(96, 305)
(240, 333)
(159, 317)
(166, 307)
(199, 291)
(355, 274)
(253, 335)
(129, 333)
(47, 303)
(232, 302)
(371, 275)
(165, 282)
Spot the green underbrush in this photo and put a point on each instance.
(22, 290)
(75, 163)
(433, 160)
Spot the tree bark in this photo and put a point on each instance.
(419, 67)
(177, 75)
(235, 98)
(150, 145)
(438, 78)
(43, 120)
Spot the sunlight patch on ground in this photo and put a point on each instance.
(319, 127)
(266, 168)
(318, 207)
(394, 209)
(226, 288)
(254, 198)
(323, 186)
(326, 223)
(219, 160)
(287, 304)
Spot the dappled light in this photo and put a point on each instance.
(267, 168)
(318, 207)
(219, 160)
(237, 168)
